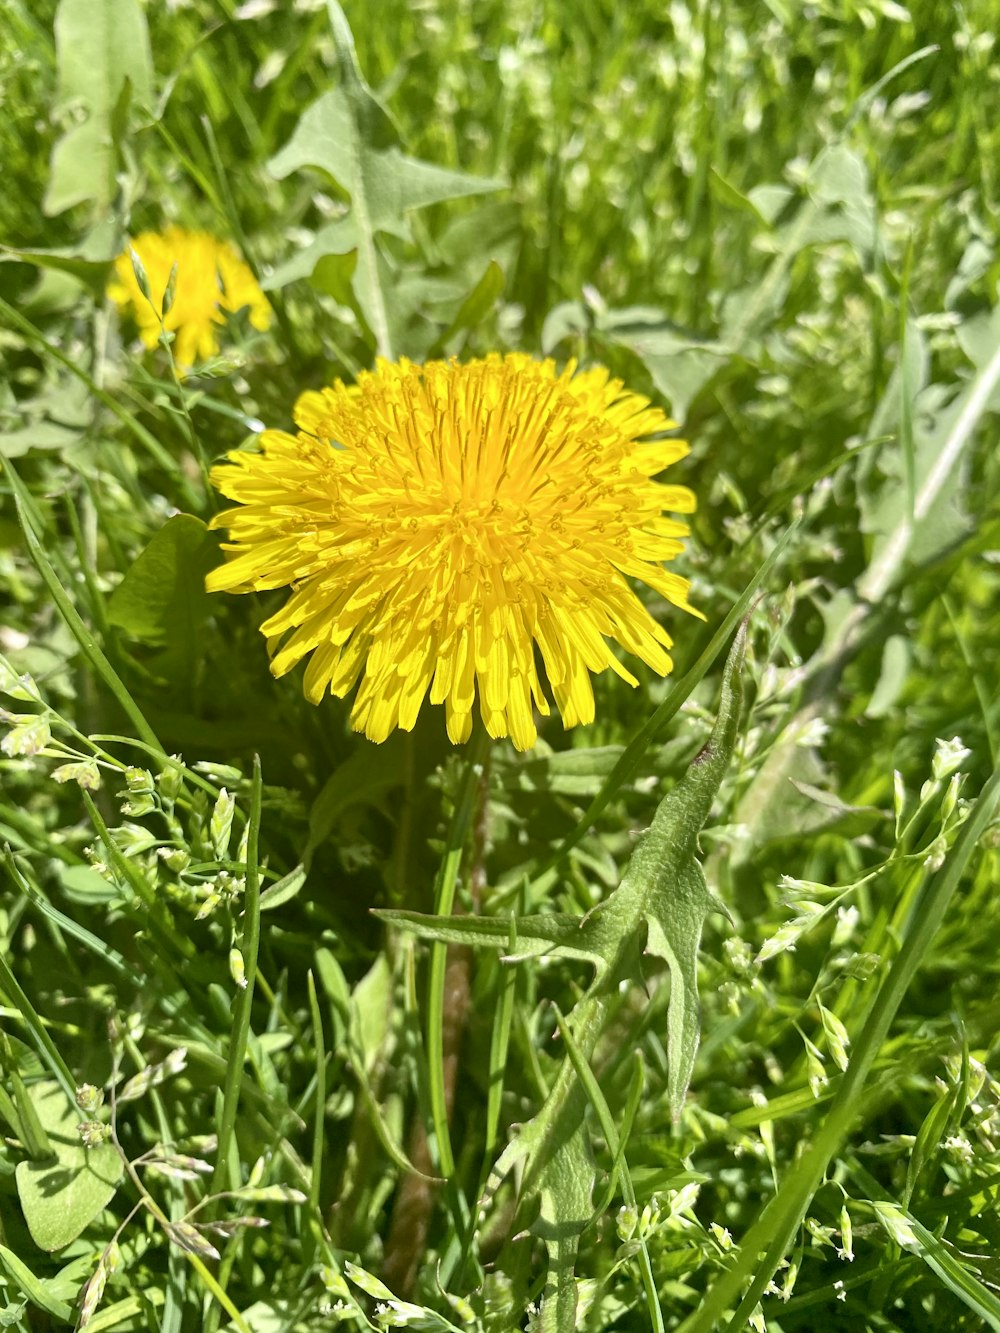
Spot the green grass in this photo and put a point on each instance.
(779, 221)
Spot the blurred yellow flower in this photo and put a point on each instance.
(211, 278)
(435, 523)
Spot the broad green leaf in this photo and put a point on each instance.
(57, 418)
(492, 228)
(478, 303)
(837, 206)
(162, 598)
(832, 815)
(364, 779)
(896, 658)
(882, 493)
(93, 273)
(562, 772)
(568, 319)
(371, 1003)
(44, 435)
(62, 1198)
(284, 890)
(839, 183)
(727, 193)
(104, 59)
(336, 238)
(347, 1020)
(979, 338)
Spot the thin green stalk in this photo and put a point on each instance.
(244, 1000)
(444, 900)
(616, 1144)
(764, 1246)
(28, 516)
(196, 1263)
(316, 1165)
(499, 1043)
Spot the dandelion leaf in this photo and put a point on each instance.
(675, 938)
(390, 182)
(552, 934)
(348, 134)
(104, 63)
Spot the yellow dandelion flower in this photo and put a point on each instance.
(211, 279)
(436, 523)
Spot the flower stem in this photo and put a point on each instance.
(448, 1006)
(444, 899)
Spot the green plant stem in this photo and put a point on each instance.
(764, 1246)
(359, 98)
(244, 1001)
(316, 1173)
(444, 900)
(883, 572)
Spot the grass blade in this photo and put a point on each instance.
(29, 519)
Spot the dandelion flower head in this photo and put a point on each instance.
(211, 279)
(438, 523)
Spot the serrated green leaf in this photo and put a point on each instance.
(551, 934)
(895, 668)
(104, 56)
(675, 936)
(680, 364)
(339, 237)
(348, 134)
(60, 1199)
(391, 182)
